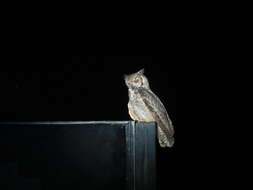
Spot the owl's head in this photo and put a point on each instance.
(137, 80)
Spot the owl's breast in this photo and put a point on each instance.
(137, 108)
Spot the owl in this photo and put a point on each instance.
(145, 106)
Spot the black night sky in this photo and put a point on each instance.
(91, 88)
(79, 87)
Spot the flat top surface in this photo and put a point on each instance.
(62, 122)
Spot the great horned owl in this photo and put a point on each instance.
(145, 106)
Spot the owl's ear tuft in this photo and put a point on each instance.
(141, 71)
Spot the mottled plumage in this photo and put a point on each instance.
(145, 106)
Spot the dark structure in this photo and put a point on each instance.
(78, 155)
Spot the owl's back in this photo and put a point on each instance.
(144, 105)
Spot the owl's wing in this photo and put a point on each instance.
(160, 114)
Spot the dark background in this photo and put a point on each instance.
(85, 88)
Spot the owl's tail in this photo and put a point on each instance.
(164, 140)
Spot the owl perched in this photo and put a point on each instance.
(145, 106)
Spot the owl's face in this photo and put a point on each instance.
(137, 80)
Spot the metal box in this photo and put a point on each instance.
(78, 155)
